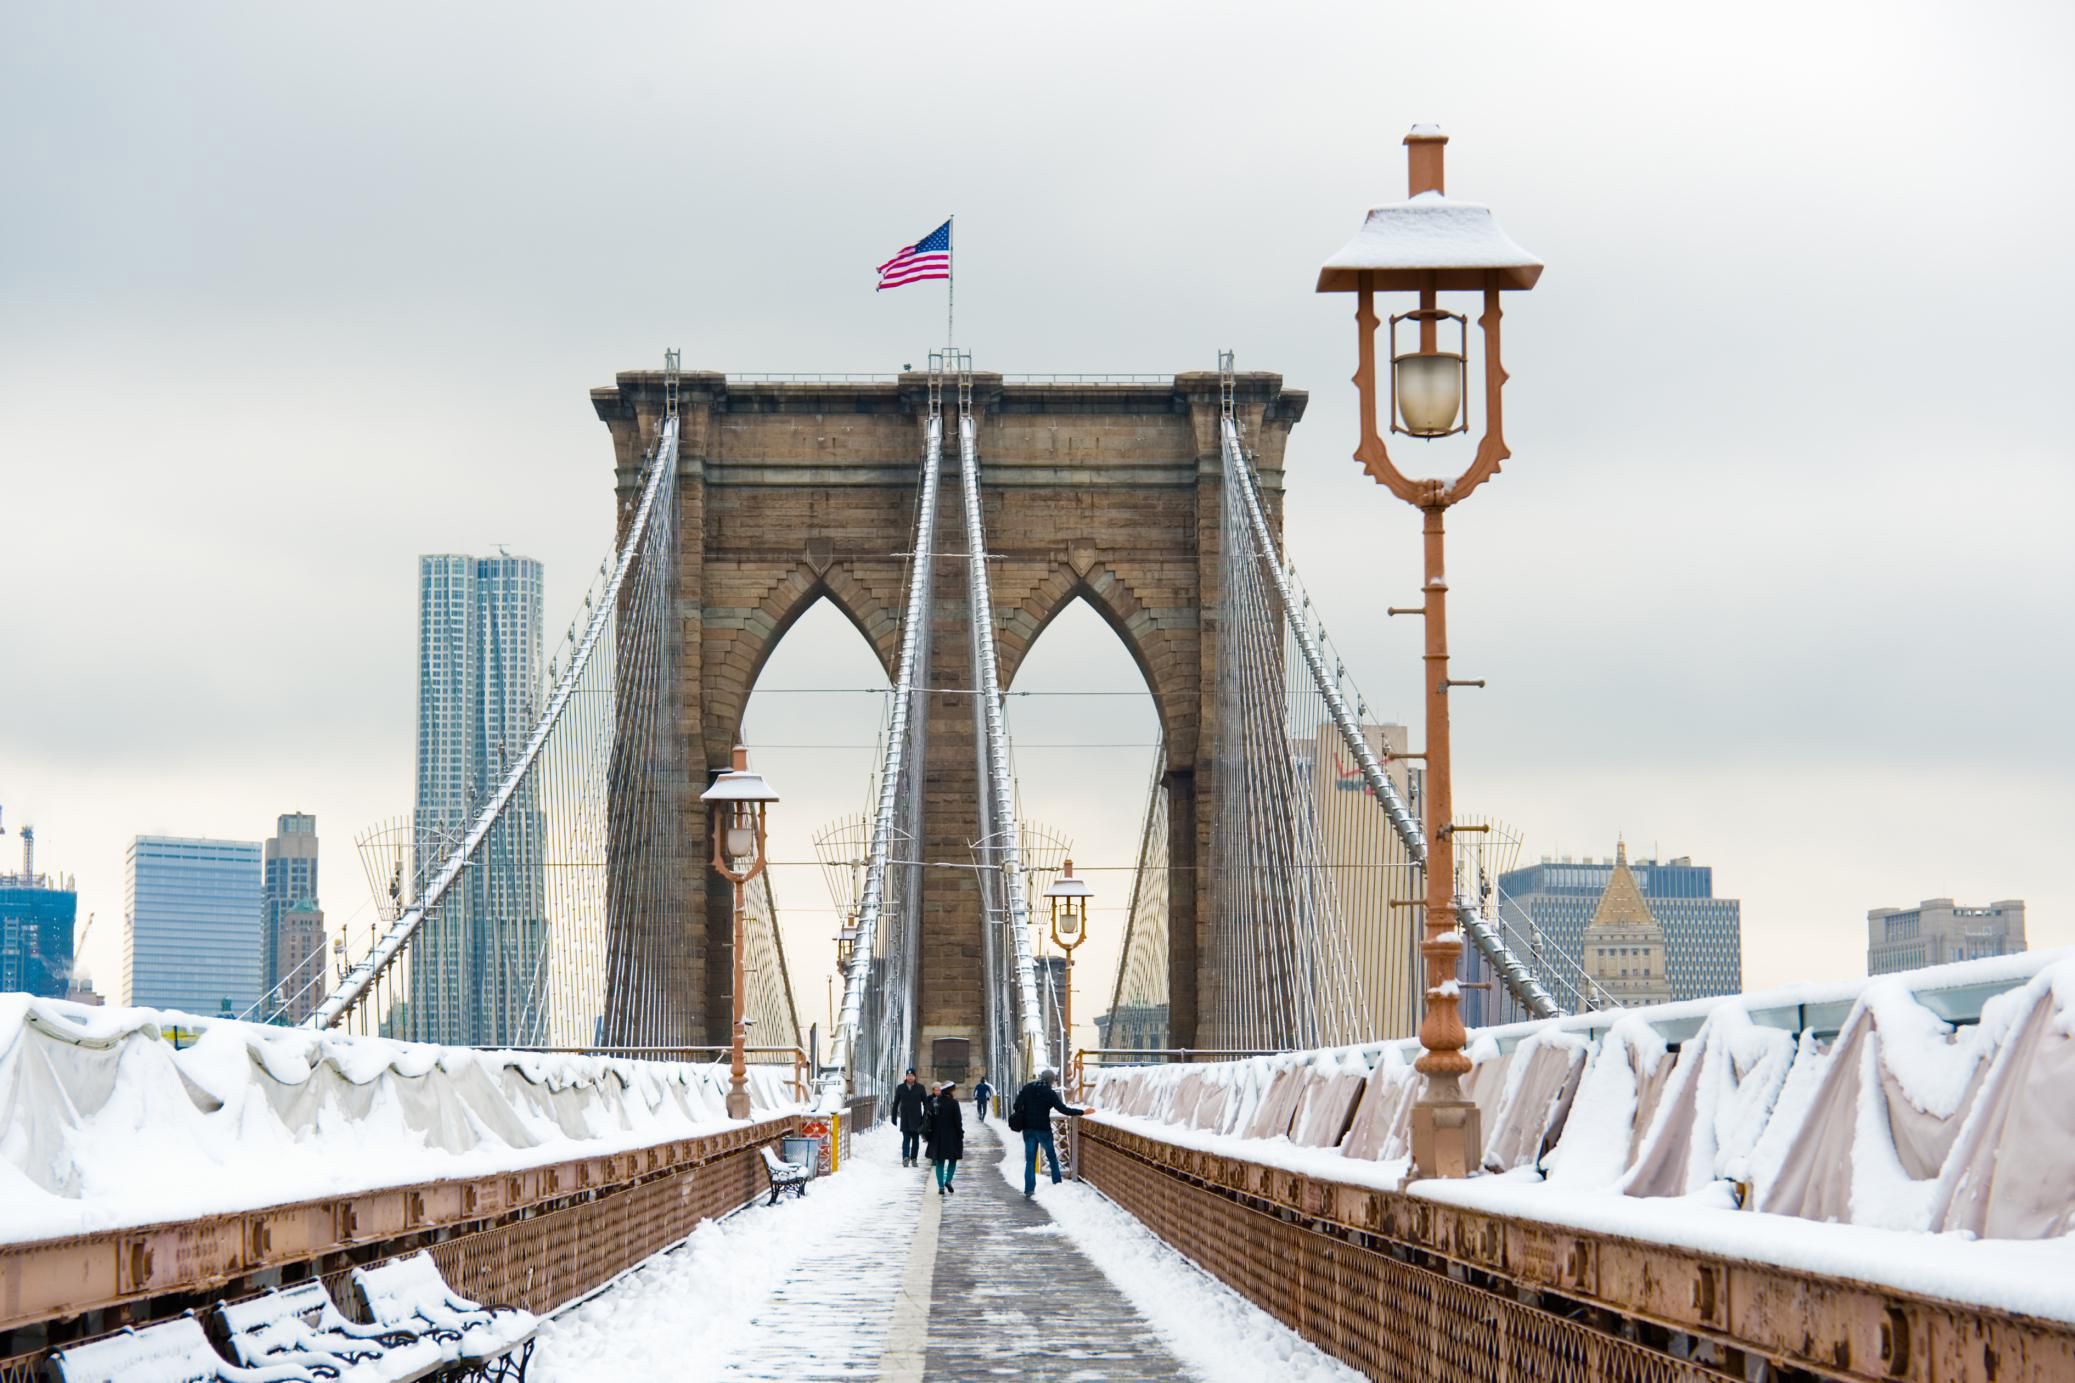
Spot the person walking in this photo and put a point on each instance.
(910, 1112)
(1033, 1115)
(982, 1093)
(946, 1138)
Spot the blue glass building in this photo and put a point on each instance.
(191, 924)
(36, 917)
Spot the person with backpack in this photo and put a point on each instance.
(909, 1112)
(946, 1138)
(982, 1093)
(1031, 1116)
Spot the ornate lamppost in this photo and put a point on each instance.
(1429, 245)
(1069, 899)
(738, 799)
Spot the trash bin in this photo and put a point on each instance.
(802, 1152)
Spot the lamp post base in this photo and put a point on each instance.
(1447, 1138)
(738, 1103)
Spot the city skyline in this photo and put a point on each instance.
(1633, 588)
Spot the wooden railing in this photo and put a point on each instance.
(1404, 1288)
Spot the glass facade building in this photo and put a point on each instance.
(191, 924)
(1548, 906)
(36, 917)
(476, 968)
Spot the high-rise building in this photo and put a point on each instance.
(291, 924)
(191, 924)
(1547, 907)
(1369, 872)
(476, 968)
(1624, 945)
(36, 916)
(1937, 930)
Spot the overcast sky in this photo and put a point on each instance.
(1779, 574)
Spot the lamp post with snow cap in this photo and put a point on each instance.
(738, 799)
(1429, 245)
(1069, 899)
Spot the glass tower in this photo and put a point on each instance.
(475, 975)
(291, 925)
(36, 916)
(191, 924)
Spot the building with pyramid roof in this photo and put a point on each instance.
(1624, 945)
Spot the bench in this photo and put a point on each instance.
(490, 1343)
(300, 1325)
(785, 1176)
(175, 1351)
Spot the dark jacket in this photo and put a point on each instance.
(946, 1132)
(982, 1093)
(910, 1106)
(1035, 1103)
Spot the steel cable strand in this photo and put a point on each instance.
(981, 610)
(857, 977)
(1518, 979)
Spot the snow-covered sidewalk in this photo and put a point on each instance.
(1068, 1287)
(802, 1289)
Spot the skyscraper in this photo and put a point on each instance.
(36, 917)
(191, 924)
(1624, 945)
(291, 924)
(1547, 907)
(475, 971)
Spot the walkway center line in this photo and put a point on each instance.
(907, 1341)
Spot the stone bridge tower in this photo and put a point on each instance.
(792, 492)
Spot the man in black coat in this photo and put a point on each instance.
(946, 1137)
(909, 1112)
(1033, 1114)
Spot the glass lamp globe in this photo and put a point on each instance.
(1430, 391)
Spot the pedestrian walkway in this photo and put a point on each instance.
(1013, 1296)
(874, 1275)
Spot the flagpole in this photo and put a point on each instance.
(951, 281)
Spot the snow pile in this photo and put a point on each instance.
(1894, 1122)
(104, 1124)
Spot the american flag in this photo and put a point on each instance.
(927, 258)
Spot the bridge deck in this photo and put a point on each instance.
(874, 1275)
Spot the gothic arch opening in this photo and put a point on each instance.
(1086, 734)
(811, 723)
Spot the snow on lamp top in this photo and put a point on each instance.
(1429, 241)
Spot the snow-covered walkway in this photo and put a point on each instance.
(873, 1275)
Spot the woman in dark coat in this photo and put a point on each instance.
(946, 1138)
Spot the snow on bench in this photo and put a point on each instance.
(174, 1351)
(785, 1176)
(409, 1294)
(300, 1325)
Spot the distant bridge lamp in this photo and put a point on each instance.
(1429, 245)
(738, 800)
(1068, 898)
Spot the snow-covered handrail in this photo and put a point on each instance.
(1519, 980)
(361, 977)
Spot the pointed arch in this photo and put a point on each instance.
(738, 643)
(1154, 643)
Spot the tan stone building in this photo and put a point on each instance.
(1624, 945)
(1370, 870)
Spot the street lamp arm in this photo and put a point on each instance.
(1492, 449)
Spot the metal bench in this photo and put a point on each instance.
(491, 1343)
(301, 1325)
(785, 1176)
(175, 1351)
